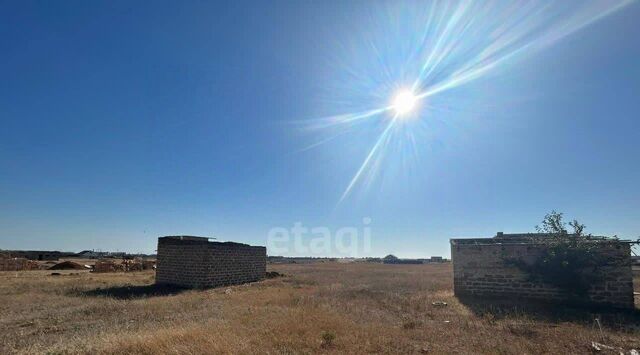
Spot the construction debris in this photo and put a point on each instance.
(109, 265)
(104, 265)
(67, 265)
(597, 347)
(17, 264)
(138, 265)
(132, 265)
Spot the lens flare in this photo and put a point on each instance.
(404, 102)
(437, 48)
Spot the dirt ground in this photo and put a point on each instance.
(317, 308)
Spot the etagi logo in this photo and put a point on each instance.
(320, 241)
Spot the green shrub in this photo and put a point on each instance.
(327, 339)
(571, 262)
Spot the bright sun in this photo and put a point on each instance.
(404, 102)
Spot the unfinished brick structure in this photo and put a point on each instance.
(16, 264)
(479, 269)
(197, 262)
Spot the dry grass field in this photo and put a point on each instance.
(317, 308)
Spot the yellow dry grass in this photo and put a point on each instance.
(318, 308)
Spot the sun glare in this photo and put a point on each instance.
(404, 102)
(421, 55)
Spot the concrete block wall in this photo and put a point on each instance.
(479, 270)
(198, 263)
(17, 264)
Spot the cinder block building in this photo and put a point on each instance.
(197, 262)
(479, 269)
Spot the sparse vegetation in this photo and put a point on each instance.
(327, 339)
(571, 261)
(352, 308)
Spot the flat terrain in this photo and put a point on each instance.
(317, 308)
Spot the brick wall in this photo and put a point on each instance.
(197, 262)
(17, 264)
(479, 270)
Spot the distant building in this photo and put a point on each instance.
(276, 259)
(298, 259)
(392, 259)
(116, 254)
(38, 254)
(92, 254)
(372, 260)
(89, 254)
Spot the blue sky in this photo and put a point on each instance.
(125, 121)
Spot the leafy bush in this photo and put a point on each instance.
(327, 339)
(570, 261)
